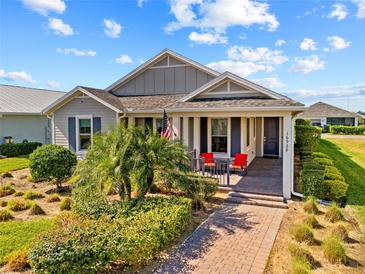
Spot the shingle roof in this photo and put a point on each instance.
(321, 109)
(149, 102)
(238, 102)
(17, 100)
(105, 96)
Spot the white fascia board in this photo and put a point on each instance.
(230, 109)
(145, 65)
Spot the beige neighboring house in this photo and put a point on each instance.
(209, 111)
(21, 116)
(322, 114)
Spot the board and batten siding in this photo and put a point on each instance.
(80, 106)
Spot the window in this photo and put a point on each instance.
(158, 125)
(248, 133)
(341, 121)
(219, 135)
(84, 133)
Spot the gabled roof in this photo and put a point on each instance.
(321, 109)
(228, 75)
(109, 100)
(159, 56)
(23, 100)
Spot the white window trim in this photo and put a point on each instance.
(222, 154)
(77, 118)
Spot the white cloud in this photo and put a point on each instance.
(140, 3)
(242, 69)
(360, 8)
(338, 43)
(217, 16)
(124, 59)
(112, 28)
(308, 44)
(207, 38)
(308, 64)
(43, 7)
(280, 42)
(270, 82)
(59, 27)
(77, 52)
(53, 84)
(331, 91)
(261, 55)
(20, 76)
(339, 12)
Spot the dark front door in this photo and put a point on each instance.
(271, 136)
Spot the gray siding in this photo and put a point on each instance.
(175, 79)
(31, 127)
(81, 106)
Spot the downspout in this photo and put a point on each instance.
(292, 169)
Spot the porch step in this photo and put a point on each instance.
(246, 195)
(236, 199)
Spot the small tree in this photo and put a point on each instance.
(52, 163)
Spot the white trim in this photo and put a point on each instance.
(230, 109)
(239, 80)
(209, 135)
(170, 66)
(281, 137)
(77, 118)
(196, 135)
(53, 130)
(156, 58)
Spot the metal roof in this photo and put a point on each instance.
(23, 100)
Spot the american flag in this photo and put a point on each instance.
(166, 126)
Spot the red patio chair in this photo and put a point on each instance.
(208, 159)
(240, 163)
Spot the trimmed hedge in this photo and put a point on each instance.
(307, 136)
(82, 245)
(13, 150)
(348, 130)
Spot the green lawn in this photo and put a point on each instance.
(349, 158)
(15, 235)
(13, 163)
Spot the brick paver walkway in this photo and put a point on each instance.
(235, 239)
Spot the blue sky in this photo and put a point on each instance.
(308, 50)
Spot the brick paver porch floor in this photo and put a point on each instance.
(235, 239)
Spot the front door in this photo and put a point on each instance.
(271, 136)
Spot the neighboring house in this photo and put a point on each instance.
(361, 117)
(210, 111)
(322, 114)
(21, 114)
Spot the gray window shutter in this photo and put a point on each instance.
(235, 135)
(96, 124)
(72, 133)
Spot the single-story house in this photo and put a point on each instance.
(361, 117)
(209, 111)
(322, 114)
(21, 116)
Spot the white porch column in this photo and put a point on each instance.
(175, 127)
(131, 121)
(185, 136)
(356, 121)
(288, 160)
(196, 139)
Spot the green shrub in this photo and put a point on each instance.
(53, 198)
(18, 260)
(3, 203)
(317, 154)
(296, 251)
(333, 250)
(66, 203)
(333, 176)
(332, 169)
(348, 130)
(334, 214)
(324, 161)
(5, 215)
(6, 190)
(302, 122)
(334, 190)
(18, 205)
(31, 195)
(307, 136)
(340, 231)
(300, 266)
(13, 150)
(303, 233)
(82, 245)
(35, 209)
(18, 194)
(52, 163)
(311, 221)
(311, 205)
